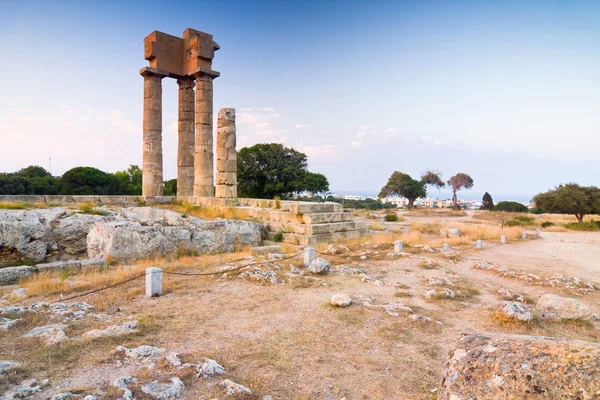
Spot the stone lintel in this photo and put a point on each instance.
(207, 72)
(153, 71)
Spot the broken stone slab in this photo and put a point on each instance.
(512, 310)
(113, 330)
(58, 266)
(12, 275)
(123, 383)
(263, 250)
(553, 307)
(162, 391)
(340, 300)
(65, 396)
(319, 266)
(261, 276)
(501, 366)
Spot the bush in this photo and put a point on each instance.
(278, 237)
(391, 217)
(547, 224)
(591, 226)
(535, 210)
(520, 220)
(511, 206)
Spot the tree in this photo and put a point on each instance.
(170, 188)
(570, 199)
(433, 178)
(86, 181)
(267, 170)
(33, 171)
(401, 184)
(487, 203)
(511, 206)
(13, 185)
(315, 183)
(458, 182)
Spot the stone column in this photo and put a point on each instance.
(152, 158)
(226, 154)
(203, 153)
(185, 145)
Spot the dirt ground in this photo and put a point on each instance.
(285, 340)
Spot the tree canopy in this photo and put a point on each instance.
(401, 184)
(487, 203)
(458, 182)
(511, 206)
(267, 170)
(570, 199)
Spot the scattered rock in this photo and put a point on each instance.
(512, 310)
(64, 396)
(123, 329)
(25, 389)
(261, 250)
(418, 317)
(6, 323)
(553, 307)
(7, 366)
(50, 334)
(390, 308)
(162, 391)
(497, 366)
(209, 369)
(340, 300)
(234, 388)
(261, 276)
(454, 232)
(122, 383)
(439, 294)
(140, 352)
(319, 266)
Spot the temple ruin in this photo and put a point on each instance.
(189, 60)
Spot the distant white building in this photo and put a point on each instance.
(397, 201)
(353, 197)
(430, 203)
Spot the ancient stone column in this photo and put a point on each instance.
(186, 140)
(226, 154)
(152, 157)
(203, 153)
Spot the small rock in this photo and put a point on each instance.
(512, 310)
(163, 391)
(173, 359)
(417, 317)
(209, 369)
(340, 300)
(6, 323)
(553, 307)
(261, 276)
(64, 396)
(50, 334)
(140, 352)
(122, 384)
(439, 294)
(25, 389)
(113, 330)
(7, 366)
(319, 266)
(11, 275)
(234, 388)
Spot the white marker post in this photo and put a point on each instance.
(538, 232)
(446, 248)
(309, 256)
(398, 246)
(479, 244)
(503, 239)
(153, 282)
(524, 236)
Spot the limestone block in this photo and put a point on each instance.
(153, 282)
(309, 256)
(501, 366)
(226, 165)
(226, 178)
(11, 275)
(226, 191)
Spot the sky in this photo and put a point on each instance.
(506, 91)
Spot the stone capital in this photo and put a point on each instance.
(186, 83)
(148, 72)
(206, 73)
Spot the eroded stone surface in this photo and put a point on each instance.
(496, 366)
(319, 266)
(551, 306)
(512, 310)
(163, 391)
(340, 300)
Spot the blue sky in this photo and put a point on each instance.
(508, 91)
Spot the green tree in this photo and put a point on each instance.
(511, 206)
(267, 170)
(401, 184)
(170, 188)
(13, 185)
(315, 183)
(458, 182)
(570, 199)
(128, 182)
(487, 203)
(33, 171)
(86, 181)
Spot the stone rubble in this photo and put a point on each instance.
(7, 366)
(233, 388)
(319, 266)
(113, 330)
(49, 334)
(433, 294)
(261, 276)
(553, 307)
(162, 391)
(340, 300)
(209, 369)
(24, 390)
(512, 310)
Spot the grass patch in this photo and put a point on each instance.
(90, 208)
(402, 294)
(590, 226)
(391, 218)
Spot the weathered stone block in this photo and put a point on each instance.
(226, 165)
(11, 275)
(496, 366)
(226, 191)
(226, 178)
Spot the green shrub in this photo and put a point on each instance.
(520, 220)
(535, 210)
(592, 226)
(391, 217)
(547, 224)
(278, 237)
(511, 206)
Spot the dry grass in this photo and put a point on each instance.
(576, 329)
(23, 206)
(436, 212)
(208, 213)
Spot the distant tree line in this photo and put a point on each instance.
(366, 204)
(76, 181)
